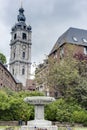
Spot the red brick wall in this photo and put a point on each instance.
(6, 79)
(68, 48)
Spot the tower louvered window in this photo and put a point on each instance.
(23, 71)
(24, 36)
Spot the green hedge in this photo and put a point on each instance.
(12, 107)
(63, 111)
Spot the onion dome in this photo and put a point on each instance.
(29, 28)
(21, 16)
(21, 24)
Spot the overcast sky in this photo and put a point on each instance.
(48, 18)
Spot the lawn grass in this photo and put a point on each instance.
(81, 128)
(59, 128)
(3, 127)
(73, 128)
(14, 127)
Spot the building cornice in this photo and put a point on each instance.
(19, 61)
(21, 41)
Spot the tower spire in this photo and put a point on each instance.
(21, 3)
(21, 16)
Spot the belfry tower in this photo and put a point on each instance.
(20, 49)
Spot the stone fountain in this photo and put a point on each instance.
(39, 123)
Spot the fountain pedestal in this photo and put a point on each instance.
(39, 123)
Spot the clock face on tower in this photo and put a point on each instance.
(24, 47)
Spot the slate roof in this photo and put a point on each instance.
(72, 36)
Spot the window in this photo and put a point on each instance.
(14, 54)
(75, 39)
(55, 55)
(24, 36)
(85, 50)
(23, 71)
(24, 27)
(15, 36)
(61, 52)
(84, 40)
(23, 55)
(13, 71)
(19, 26)
(56, 94)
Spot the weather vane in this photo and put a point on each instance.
(21, 3)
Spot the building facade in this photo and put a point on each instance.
(20, 49)
(7, 80)
(30, 85)
(41, 78)
(73, 38)
(72, 42)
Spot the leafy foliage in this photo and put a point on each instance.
(12, 106)
(62, 76)
(2, 58)
(4, 99)
(64, 111)
(69, 78)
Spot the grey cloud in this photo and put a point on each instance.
(48, 18)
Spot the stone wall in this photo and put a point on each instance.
(65, 124)
(12, 123)
(9, 123)
(17, 123)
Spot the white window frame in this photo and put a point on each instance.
(85, 50)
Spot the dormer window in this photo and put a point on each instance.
(24, 36)
(75, 39)
(84, 40)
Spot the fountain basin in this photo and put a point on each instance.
(39, 123)
(39, 100)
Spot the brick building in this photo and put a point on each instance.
(7, 80)
(41, 81)
(30, 85)
(73, 38)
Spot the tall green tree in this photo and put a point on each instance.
(63, 75)
(69, 78)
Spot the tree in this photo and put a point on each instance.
(2, 58)
(63, 75)
(13, 107)
(68, 76)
